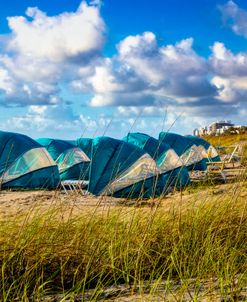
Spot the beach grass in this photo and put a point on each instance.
(55, 253)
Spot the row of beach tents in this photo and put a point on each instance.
(136, 166)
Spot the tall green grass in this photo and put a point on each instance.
(189, 241)
(226, 140)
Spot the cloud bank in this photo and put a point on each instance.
(43, 56)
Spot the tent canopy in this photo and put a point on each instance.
(24, 163)
(211, 151)
(198, 141)
(72, 162)
(85, 144)
(192, 155)
(122, 169)
(148, 143)
(177, 142)
(166, 158)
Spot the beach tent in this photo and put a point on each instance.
(192, 155)
(85, 144)
(72, 162)
(121, 169)
(166, 158)
(148, 143)
(211, 152)
(24, 163)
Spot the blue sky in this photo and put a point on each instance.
(72, 68)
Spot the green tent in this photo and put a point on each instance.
(72, 162)
(121, 169)
(24, 163)
(166, 158)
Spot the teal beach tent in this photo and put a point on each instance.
(177, 142)
(24, 163)
(192, 155)
(166, 158)
(85, 144)
(123, 170)
(72, 162)
(148, 143)
(212, 154)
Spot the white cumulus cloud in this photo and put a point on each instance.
(42, 51)
(229, 74)
(58, 37)
(143, 73)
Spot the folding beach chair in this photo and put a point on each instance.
(74, 186)
(219, 167)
